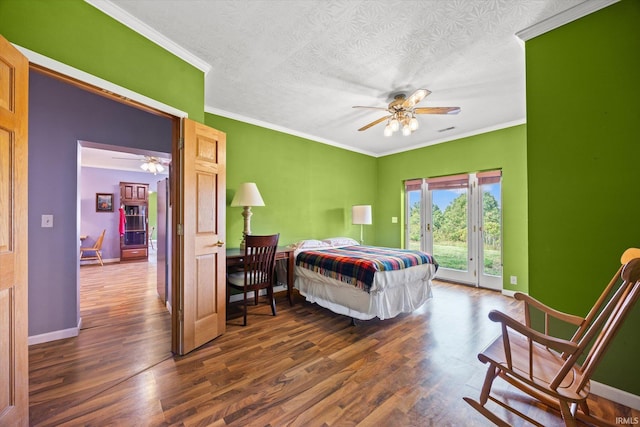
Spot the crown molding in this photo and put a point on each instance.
(143, 29)
(572, 14)
(278, 128)
(457, 136)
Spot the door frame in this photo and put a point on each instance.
(474, 276)
(98, 86)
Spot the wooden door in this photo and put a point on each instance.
(201, 287)
(14, 366)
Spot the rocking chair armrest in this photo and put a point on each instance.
(566, 317)
(549, 341)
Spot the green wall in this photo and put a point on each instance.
(502, 149)
(153, 213)
(582, 92)
(308, 188)
(77, 34)
(583, 150)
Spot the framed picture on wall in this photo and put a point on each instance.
(104, 202)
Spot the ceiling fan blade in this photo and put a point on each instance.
(437, 110)
(415, 98)
(372, 108)
(382, 119)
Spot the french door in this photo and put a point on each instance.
(458, 219)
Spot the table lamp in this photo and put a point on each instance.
(360, 215)
(247, 196)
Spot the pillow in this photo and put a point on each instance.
(310, 244)
(340, 241)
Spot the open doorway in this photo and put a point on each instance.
(55, 127)
(102, 171)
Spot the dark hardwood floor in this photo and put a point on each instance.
(304, 367)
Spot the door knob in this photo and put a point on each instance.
(220, 243)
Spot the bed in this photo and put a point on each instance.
(362, 282)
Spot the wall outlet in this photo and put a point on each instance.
(394, 220)
(47, 221)
(514, 280)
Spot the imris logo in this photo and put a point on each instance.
(627, 420)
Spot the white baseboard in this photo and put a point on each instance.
(508, 293)
(104, 260)
(619, 396)
(56, 335)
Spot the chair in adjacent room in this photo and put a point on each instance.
(258, 270)
(93, 252)
(554, 370)
(151, 244)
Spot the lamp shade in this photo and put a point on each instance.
(361, 214)
(247, 195)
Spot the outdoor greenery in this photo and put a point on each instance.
(450, 233)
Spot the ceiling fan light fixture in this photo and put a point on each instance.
(413, 124)
(152, 166)
(403, 113)
(395, 124)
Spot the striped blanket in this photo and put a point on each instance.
(357, 265)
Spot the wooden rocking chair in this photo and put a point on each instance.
(546, 367)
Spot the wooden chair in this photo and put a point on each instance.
(93, 252)
(549, 368)
(258, 271)
(151, 237)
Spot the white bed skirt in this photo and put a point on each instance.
(392, 292)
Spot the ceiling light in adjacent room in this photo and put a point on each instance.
(153, 166)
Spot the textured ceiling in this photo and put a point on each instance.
(300, 66)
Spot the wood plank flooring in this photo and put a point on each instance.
(304, 367)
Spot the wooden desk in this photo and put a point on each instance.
(234, 257)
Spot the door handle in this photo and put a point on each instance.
(220, 243)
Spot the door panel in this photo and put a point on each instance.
(202, 293)
(490, 238)
(450, 234)
(14, 367)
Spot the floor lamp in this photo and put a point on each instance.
(361, 215)
(247, 196)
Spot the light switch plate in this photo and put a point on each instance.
(47, 221)
(394, 220)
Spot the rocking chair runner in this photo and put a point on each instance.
(546, 367)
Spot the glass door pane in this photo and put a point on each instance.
(450, 225)
(491, 235)
(414, 220)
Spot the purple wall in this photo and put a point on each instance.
(59, 116)
(96, 180)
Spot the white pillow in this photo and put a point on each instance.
(340, 241)
(310, 244)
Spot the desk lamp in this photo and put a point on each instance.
(247, 196)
